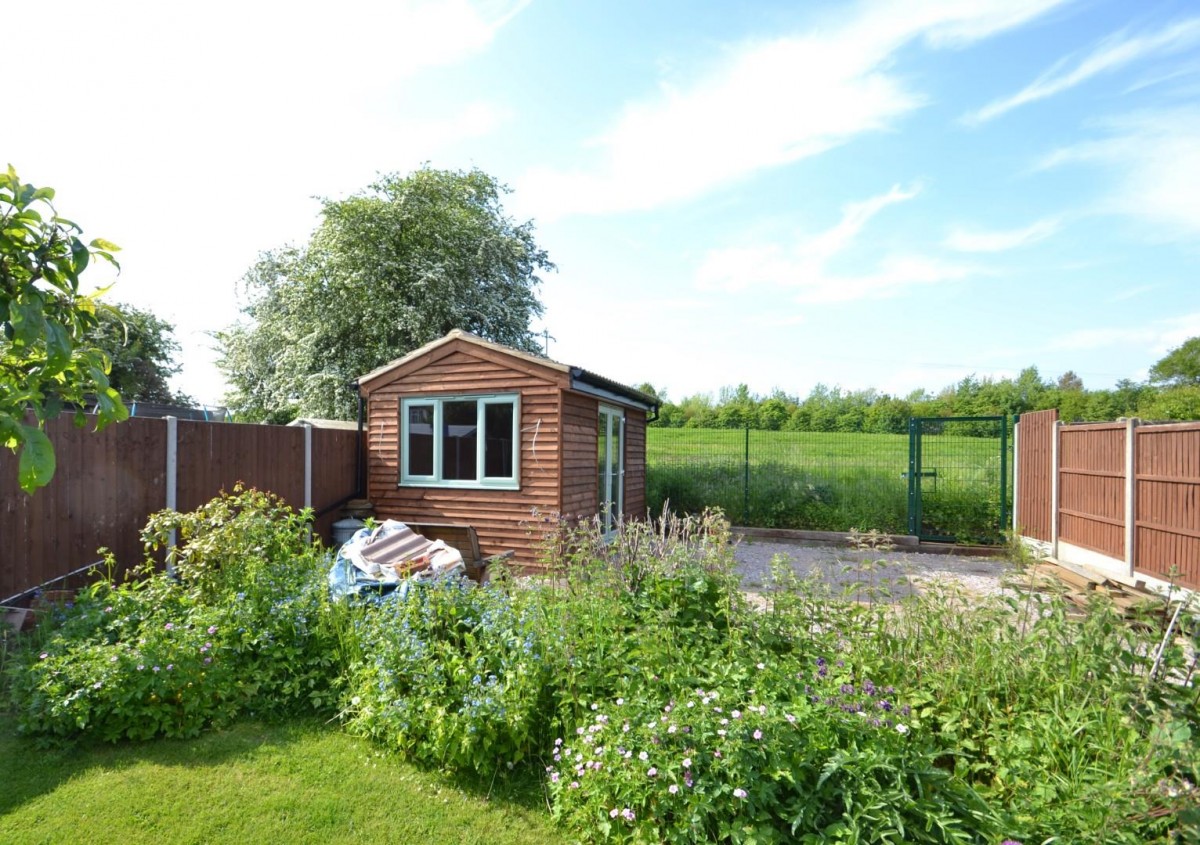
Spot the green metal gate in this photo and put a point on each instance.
(958, 478)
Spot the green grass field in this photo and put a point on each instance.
(305, 782)
(831, 481)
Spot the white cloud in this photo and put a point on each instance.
(1131, 293)
(1159, 336)
(803, 269)
(737, 268)
(1112, 53)
(765, 103)
(966, 240)
(1154, 157)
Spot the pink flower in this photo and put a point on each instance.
(739, 793)
(758, 734)
(652, 772)
(613, 813)
(673, 788)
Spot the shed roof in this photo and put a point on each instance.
(580, 379)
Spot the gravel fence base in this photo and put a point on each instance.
(903, 572)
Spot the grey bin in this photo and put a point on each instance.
(344, 529)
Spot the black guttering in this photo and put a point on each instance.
(597, 385)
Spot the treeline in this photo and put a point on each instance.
(834, 409)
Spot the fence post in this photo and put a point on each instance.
(1054, 460)
(308, 503)
(1016, 476)
(1003, 474)
(1131, 494)
(172, 480)
(746, 482)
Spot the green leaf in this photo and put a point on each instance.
(37, 463)
(27, 321)
(100, 243)
(58, 348)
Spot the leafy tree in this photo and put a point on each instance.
(1070, 381)
(386, 271)
(142, 349)
(46, 362)
(1180, 366)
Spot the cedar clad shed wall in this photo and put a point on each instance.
(581, 484)
(635, 463)
(580, 469)
(500, 517)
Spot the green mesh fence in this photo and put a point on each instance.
(826, 481)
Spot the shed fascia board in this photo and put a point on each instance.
(589, 383)
(455, 340)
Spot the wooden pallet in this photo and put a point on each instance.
(1080, 586)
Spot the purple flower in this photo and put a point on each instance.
(652, 772)
(627, 814)
(1010, 842)
(574, 784)
(739, 793)
(169, 626)
(212, 629)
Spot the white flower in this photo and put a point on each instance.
(902, 729)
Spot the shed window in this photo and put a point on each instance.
(460, 441)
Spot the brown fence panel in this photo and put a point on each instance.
(1091, 487)
(105, 485)
(215, 457)
(1035, 474)
(335, 475)
(1168, 502)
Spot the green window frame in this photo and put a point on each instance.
(465, 441)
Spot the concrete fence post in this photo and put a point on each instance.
(308, 470)
(1016, 477)
(1054, 487)
(172, 483)
(1131, 425)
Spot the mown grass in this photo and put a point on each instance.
(298, 782)
(830, 481)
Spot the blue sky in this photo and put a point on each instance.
(876, 194)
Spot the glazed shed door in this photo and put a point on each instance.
(610, 454)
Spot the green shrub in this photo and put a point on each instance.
(244, 624)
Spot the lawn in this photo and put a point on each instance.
(300, 782)
(831, 481)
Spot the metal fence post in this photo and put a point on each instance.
(746, 482)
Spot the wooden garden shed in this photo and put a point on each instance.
(468, 431)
